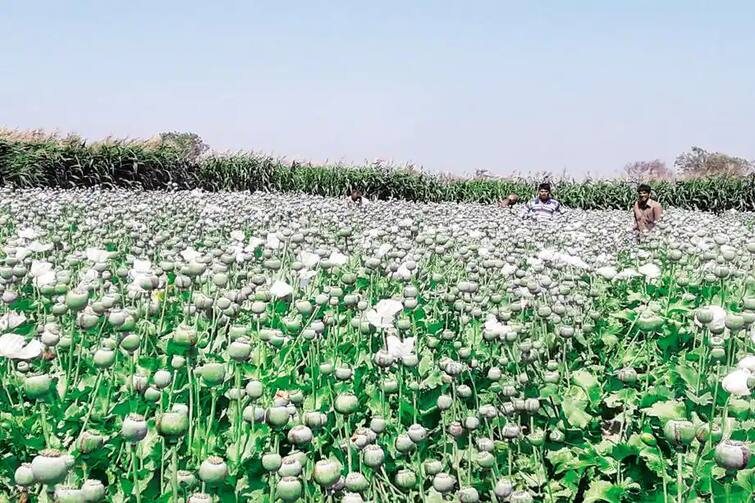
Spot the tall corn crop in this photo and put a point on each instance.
(47, 161)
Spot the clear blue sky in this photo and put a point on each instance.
(524, 86)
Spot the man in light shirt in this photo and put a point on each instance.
(646, 212)
(356, 198)
(543, 207)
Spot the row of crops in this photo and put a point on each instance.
(209, 346)
(49, 162)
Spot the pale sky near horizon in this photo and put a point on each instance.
(580, 86)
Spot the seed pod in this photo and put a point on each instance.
(134, 428)
(67, 494)
(732, 455)
(404, 444)
(186, 479)
(627, 375)
(406, 479)
(212, 374)
(93, 491)
(520, 497)
(162, 378)
(271, 461)
(346, 403)
(300, 435)
(213, 470)
(432, 467)
(503, 489)
(373, 456)
(37, 386)
(327, 472)
(468, 495)
(356, 482)
(417, 433)
(443, 482)
(290, 467)
(511, 431)
(49, 467)
(89, 442)
(288, 489)
(485, 459)
(444, 402)
(172, 425)
(199, 498)
(24, 476)
(377, 424)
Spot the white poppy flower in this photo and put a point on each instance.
(190, 254)
(98, 256)
(383, 249)
(628, 273)
(337, 258)
(14, 346)
(748, 362)
(305, 276)
(309, 259)
(28, 233)
(39, 267)
(281, 289)
(254, 243)
(272, 241)
(39, 247)
(11, 320)
(237, 235)
(384, 313)
(736, 382)
(398, 348)
(650, 271)
(719, 317)
(608, 272)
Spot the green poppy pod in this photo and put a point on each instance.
(288, 489)
(240, 349)
(89, 442)
(212, 373)
(432, 467)
(732, 455)
(346, 403)
(503, 489)
(134, 428)
(406, 479)
(520, 497)
(326, 472)
(468, 495)
(277, 417)
(679, 433)
(50, 467)
(173, 425)
(24, 476)
(93, 491)
(356, 482)
(443, 482)
(131, 342)
(213, 470)
(290, 467)
(300, 435)
(186, 479)
(373, 456)
(271, 461)
(162, 378)
(37, 386)
(68, 494)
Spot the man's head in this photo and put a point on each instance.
(544, 191)
(513, 198)
(356, 195)
(643, 193)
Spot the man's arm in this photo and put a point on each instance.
(657, 211)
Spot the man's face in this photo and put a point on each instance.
(644, 196)
(544, 194)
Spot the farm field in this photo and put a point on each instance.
(226, 346)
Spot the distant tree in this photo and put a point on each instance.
(190, 145)
(698, 163)
(647, 170)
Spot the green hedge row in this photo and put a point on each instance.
(153, 166)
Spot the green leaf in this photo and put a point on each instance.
(600, 490)
(670, 409)
(574, 405)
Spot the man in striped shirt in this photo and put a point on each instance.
(543, 207)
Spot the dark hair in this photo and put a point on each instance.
(644, 188)
(544, 186)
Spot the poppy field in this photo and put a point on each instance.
(160, 346)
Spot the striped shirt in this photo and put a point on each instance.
(543, 210)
